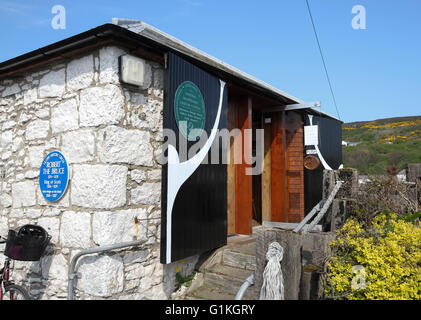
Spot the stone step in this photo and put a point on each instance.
(194, 298)
(237, 273)
(248, 247)
(206, 293)
(239, 260)
(224, 271)
(228, 279)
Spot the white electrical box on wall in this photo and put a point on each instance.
(132, 70)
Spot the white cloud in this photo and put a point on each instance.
(14, 7)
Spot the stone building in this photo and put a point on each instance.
(70, 96)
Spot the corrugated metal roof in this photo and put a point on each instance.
(165, 39)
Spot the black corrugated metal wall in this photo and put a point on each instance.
(330, 146)
(199, 215)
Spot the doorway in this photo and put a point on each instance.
(283, 172)
(277, 193)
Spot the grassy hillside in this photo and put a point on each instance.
(382, 143)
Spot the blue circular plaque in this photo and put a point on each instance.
(53, 176)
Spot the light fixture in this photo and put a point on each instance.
(132, 70)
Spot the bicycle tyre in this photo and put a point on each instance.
(18, 293)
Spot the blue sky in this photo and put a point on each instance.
(375, 73)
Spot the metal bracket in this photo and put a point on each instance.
(290, 107)
(75, 275)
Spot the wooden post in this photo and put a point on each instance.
(304, 257)
(231, 119)
(278, 176)
(291, 262)
(243, 182)
(266, 174)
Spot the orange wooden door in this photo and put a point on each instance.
(287, 167)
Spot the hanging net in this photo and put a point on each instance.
(273, 281)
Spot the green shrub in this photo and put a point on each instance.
(181, 280)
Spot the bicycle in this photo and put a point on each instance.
(26, 243)
(9, 290)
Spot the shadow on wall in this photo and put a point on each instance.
(38, 273)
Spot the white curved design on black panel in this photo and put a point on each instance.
(178, 172)
(324, 163)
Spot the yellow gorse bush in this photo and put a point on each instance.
(393, 138)
(390, 252)
(374, 125)
(415, 132)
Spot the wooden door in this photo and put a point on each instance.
(283, 171)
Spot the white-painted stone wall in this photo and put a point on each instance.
(110, 134)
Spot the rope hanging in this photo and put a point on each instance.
(273, 281)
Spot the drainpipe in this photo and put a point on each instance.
(72, 274)
(247, 283)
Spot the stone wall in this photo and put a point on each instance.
(111, 136)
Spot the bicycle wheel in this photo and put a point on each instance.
(15, 292)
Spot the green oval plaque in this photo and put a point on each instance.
(189, 110)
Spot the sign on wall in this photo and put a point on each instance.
(189, 110)
(311, 135)
(53, 176)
